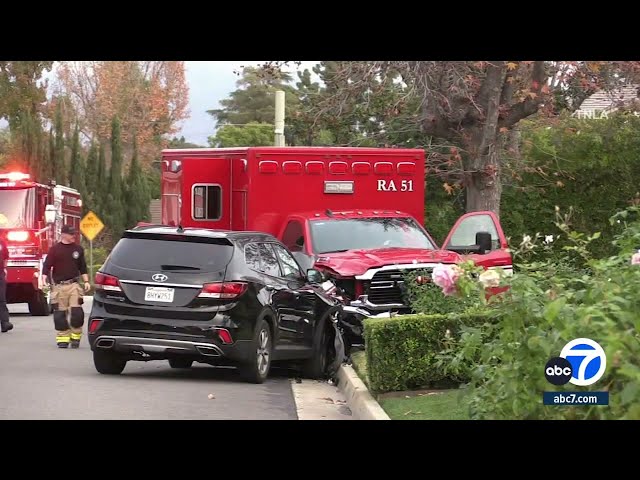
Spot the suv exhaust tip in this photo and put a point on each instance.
(105, 343)
(208, 351)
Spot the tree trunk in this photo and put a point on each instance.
(484, 190)
(484, 187)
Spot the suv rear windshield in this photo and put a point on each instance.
(178, 255)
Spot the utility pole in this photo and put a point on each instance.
(279, 123)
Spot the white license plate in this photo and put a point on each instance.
(159, 294)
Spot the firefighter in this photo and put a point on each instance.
(66, 259)
(5, 324)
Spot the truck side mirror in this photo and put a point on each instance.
(483, 241)
(314, 276)
(50, 214)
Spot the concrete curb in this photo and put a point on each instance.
(361, 403)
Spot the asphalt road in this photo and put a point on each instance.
(38, 381)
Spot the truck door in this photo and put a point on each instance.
(463, 235)
(295, 239)
(207, 196)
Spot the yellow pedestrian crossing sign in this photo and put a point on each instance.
(91, 226)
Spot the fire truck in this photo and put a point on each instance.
(354, 214)
(31, 217)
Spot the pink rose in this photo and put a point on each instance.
(446, 276)
(635, 259)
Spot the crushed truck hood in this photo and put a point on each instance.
(357, 262)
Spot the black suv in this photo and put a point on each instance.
(216, 297)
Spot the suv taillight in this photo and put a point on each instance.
(223, 290)
(107, 282)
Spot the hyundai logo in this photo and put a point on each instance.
(159, 277)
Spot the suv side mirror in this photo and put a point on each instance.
(314, 276)
(483, 241)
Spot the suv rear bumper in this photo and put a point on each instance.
(145, 348)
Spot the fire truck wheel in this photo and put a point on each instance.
(108, 363)
(39, 306)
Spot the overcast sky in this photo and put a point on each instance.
(210, 82)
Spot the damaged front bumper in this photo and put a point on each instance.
(352, 323)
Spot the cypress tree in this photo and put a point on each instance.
(49, 171)
(100, 196)
(59, 167)
(77, 167)
(115, 208)
(137, 191)
(91, 177)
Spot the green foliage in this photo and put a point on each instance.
(250, 135)
(428, 298)
(548, 305)
(176, 142)
(5, 145)
(402, 352)
(254, 99)
(359, 363)
(77, 168)
(101, 182)
(137, 192)
(21, 91)
(115, 202)
(59, 166)
(91, 179)
(153, 183)
(589, 165)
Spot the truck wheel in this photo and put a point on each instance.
(180, 363)
(108, 363)
(256, 368)
(39, 306)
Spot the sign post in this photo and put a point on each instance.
(91, 226)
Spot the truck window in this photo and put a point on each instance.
(17, 208)
(268, 261)
(293, 236)
(206, 202)
(340, 235)
(289, 266)
(465, 233)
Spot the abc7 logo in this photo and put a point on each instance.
(581, 362)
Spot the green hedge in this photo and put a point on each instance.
(403, 352)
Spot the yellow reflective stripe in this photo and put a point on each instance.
(62, 338)
(76, 336)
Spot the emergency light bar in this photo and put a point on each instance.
(338, 186)
(15, 176)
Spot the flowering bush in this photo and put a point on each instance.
(548, 304)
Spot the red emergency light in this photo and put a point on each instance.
(15, 176)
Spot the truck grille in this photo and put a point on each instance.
(387, 286)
